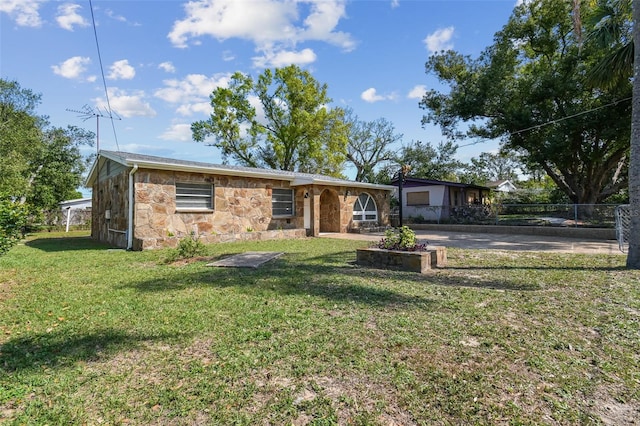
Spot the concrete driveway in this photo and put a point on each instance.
(499, 242)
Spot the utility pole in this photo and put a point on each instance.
(87, 112)
(402, 175)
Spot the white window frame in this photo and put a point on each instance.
(360, 211)
(281, 204)
(189, 192)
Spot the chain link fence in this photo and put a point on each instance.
(623, 226)
(567, 215)
(56, 220)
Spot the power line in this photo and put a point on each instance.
(104, 80)
(548, 123)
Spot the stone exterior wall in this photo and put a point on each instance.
(242, 209)
(111, 195)
(334, 207)
(382, 203)
(241, 206)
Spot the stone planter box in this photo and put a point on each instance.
(410, 261)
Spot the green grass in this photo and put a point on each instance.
(90, 335)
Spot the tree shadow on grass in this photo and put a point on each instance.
(438, 276)
(538, 268)
(322, 277)
(66, 244)
(57, 349)
(333, 276)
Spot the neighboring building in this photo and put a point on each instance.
(502, 186)
(78, 204)
(76, 212)
(141, 201)
(436, 200)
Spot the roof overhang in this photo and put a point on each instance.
(212, 169)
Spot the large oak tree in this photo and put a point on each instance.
(530, 90)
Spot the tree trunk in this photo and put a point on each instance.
(633, 257)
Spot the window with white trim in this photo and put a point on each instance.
(365, 208)
(194, 196)
(282, 202)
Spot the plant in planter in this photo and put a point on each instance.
(399, 249)
(403, 239)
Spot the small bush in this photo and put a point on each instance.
(188, 248)
(403, 239)
(13, 219)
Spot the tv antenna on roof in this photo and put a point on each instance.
(87, 112)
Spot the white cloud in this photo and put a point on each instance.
(167, 67)
(72, 68)
(417, 92)
(111, 14)
(227, 56)
(191, 93)
(272, 25)
(440, 40)
(178, 132)
(127, 104)
(262, 22)
(68, 16)
(284, 58)
(395, 3)
(321, 23)
(24, 12)
(121, 70)
(194, 108)
(371, 95)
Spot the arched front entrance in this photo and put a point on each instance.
(329, 211)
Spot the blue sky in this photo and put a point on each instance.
(162, 59)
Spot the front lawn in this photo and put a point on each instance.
(90, 335)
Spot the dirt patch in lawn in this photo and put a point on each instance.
(6, 285)
(613, 412)
(349, 396)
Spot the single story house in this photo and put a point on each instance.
(143, 202)
(436, 200)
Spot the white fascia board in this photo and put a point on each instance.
(94, 167)
(89, 180)
(346, 183)
(208, 170)
(302, 181)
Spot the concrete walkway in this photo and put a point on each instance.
(499, 242)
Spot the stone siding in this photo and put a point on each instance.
(227, 238)
(111, 195)
(242, 206)
(242, 209)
